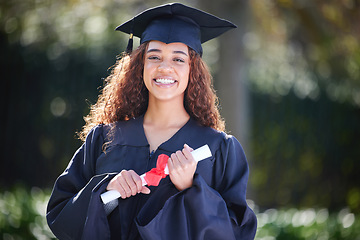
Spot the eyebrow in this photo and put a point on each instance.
(158, 50)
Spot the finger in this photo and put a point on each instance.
(119, 186)
(189, 148)
(170, 164)
(181, 158)
(145, 190)
(137, 180)
(175, 160)
(124, 182)
(187, 154)
(131, 184)
(178, 160)
(186, 159)
(173, 165)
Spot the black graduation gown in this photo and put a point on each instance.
(213, 208)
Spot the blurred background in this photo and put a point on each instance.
(288, 80)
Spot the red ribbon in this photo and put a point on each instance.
(154, 176)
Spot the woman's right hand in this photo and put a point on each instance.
(127, 183)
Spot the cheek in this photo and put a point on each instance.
(146, 77)
(186, 76)
(146, 72)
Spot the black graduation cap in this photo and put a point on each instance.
(175, 22)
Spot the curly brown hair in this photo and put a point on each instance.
(125, 96)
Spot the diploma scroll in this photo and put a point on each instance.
(198, 154)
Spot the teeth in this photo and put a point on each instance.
(164, 81)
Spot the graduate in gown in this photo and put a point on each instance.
(158, 100)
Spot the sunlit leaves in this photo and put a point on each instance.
(307, 224)
(325, 38)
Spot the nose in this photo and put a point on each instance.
(165, 66)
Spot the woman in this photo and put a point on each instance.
(158, 100)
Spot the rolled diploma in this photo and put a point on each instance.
(198, 154)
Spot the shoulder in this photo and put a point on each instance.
(96, 133)
(217, 140)
(128, 132)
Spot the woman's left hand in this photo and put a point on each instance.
(182, 168)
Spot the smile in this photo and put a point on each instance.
(164, 81)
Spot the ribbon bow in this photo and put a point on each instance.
(154, 176)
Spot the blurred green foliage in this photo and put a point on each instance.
(53, 60)
(23, 218)
(307, 224)
(305, 153)
(309, 47)
(304, 74)
(22, 214)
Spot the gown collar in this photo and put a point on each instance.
(132, 133)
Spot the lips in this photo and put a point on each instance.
(164, 82)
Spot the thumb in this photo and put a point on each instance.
(145, 190)
(188, 148)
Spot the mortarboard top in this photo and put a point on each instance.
(176, 23)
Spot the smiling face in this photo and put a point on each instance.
(166, 70)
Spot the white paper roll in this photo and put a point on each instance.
(113, 194)
(198, 154)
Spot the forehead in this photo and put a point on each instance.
(174, 47)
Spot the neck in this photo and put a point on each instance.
(166, 113)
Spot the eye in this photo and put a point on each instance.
(179, 60)
(153, 57)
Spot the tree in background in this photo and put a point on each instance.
(304, 69)
(288, 82)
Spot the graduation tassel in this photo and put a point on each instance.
(129, 47)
